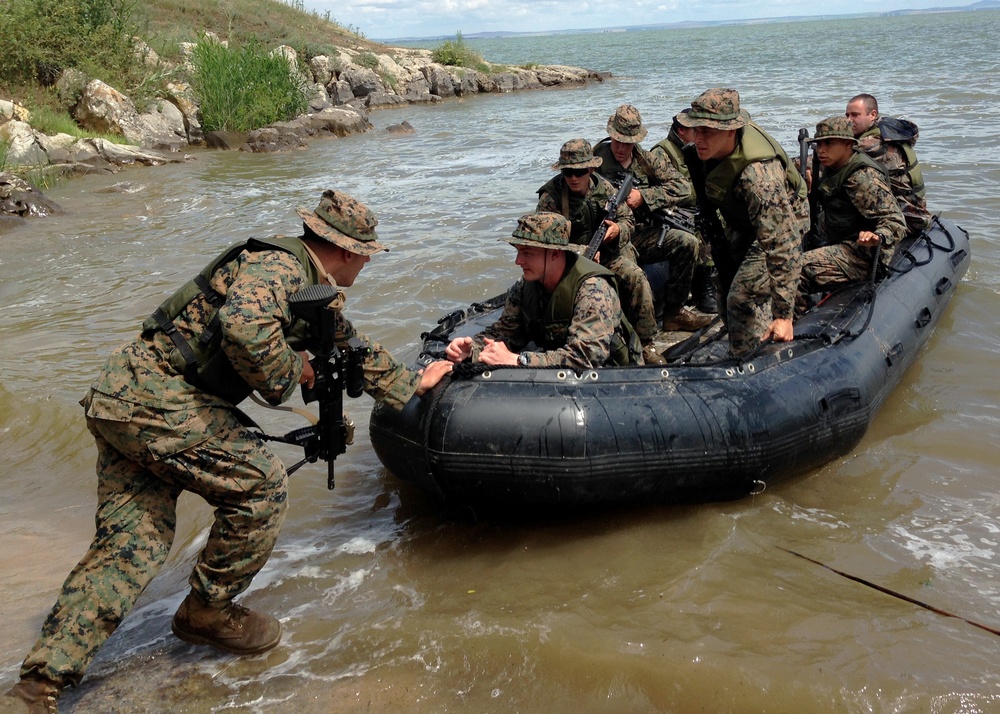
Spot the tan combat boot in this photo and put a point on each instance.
(651, 356)
(32, 695)
(228, 626)
(684, 320)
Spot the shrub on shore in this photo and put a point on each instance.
(458, 54)
(245, 88)
(41, 38)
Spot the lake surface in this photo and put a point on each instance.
(392, 604)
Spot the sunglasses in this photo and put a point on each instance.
(575, 173)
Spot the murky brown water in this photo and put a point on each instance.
(390, 604)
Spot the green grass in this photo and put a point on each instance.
(457, 53)
(241, 89)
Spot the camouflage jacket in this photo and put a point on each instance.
(857, 198)
(891, 156)
(596, 314)
(780, 221)
(585, 211)
(255, 321)
(654, 176)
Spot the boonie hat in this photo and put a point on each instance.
(344, 221)
(838, 127)
(717, 109)
(542, 230)
(625, 125)
(576, 154)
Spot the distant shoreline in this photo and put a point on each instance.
(693, 24)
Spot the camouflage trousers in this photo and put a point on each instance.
(636, 296)
(681, 249)
(832, 265)
(145, 459)
(748, 304)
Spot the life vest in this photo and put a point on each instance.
(200, 358)
(550, 329)
(842, 219)
(902, 134)
(753, 145)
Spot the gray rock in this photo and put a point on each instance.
(20, 199)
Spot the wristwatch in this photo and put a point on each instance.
(522, 359)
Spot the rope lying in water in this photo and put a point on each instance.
(893, 593)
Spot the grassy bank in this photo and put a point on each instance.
(44, 37)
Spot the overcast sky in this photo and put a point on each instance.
(393, 19)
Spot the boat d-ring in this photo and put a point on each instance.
(758, 487)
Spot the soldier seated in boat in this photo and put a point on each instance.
(579, 194)
(658, 184)
(889, 141)
(858, 214)
(742, 174)
(563, 312)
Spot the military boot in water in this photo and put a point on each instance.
(32, 695)
(228, 626)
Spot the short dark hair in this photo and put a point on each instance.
(870, 102)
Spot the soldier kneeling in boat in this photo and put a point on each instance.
(859, 214)
(564, 311)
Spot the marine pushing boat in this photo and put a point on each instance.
(699, 429)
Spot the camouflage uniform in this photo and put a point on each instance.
(596, 311)
(858, 192)
(661, 186)
(585, 212)
(766, 215)
(891, 156)
(157, 435)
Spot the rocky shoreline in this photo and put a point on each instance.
(344, 89)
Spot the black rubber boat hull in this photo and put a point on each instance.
(550, 437)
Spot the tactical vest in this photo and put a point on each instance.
(754, 145)
(584, 214)
(550, 330)
(672, 146)
(902, 134)
(842, 219)
(200, 358)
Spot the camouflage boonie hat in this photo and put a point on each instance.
(344, 221)
(542, 230)
(625, 125)
(837, 127)
(716, 109)
(576, 154)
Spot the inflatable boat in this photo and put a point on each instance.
(702, 428)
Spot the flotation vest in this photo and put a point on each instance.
(902, 134)
(753, 145)
(200, 358)
(842, 219)
(550, 330)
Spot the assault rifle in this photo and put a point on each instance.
(336, 371)
(683, 219)
(803, 151)
(610, 209)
